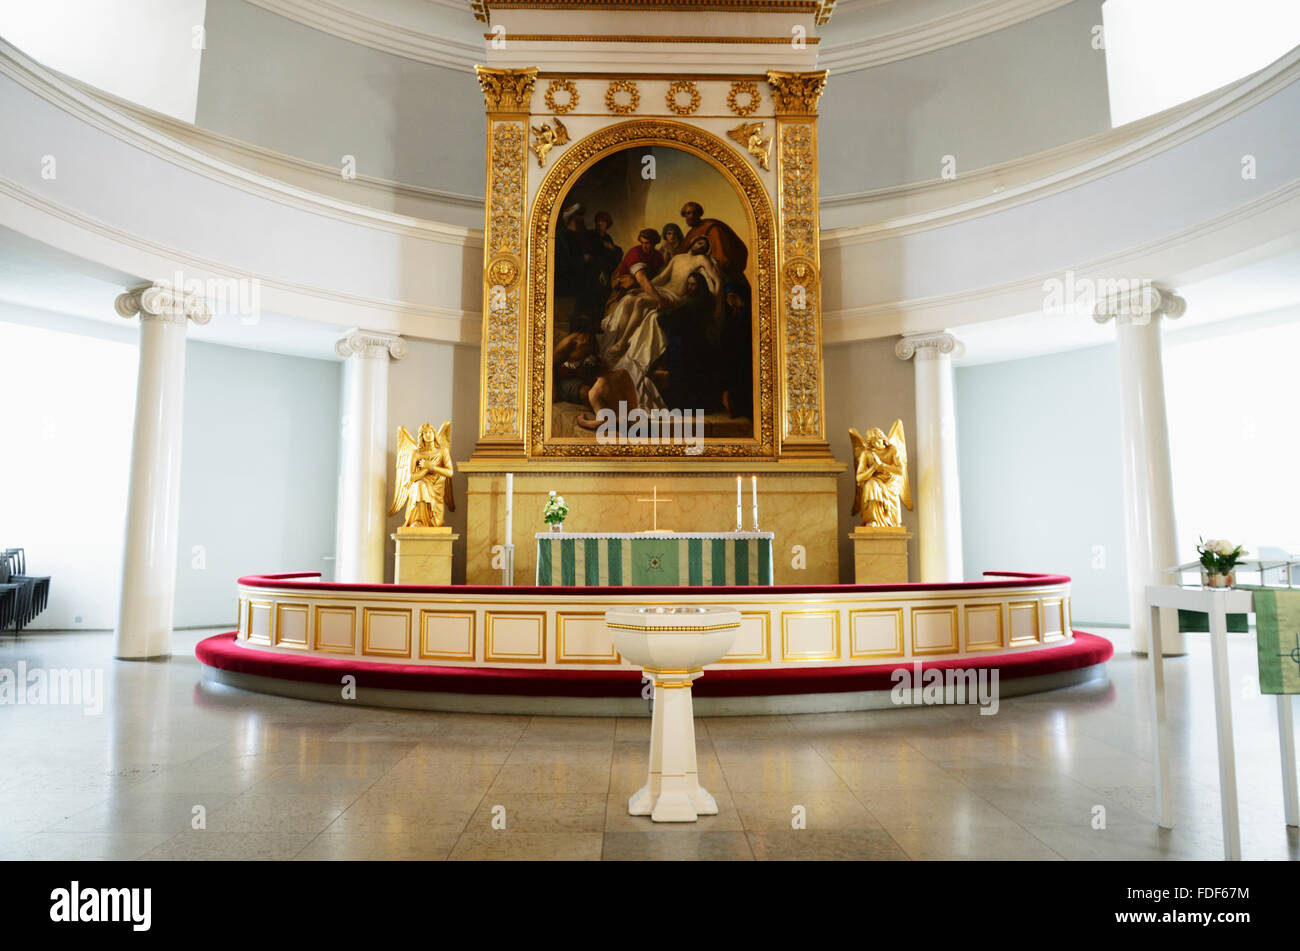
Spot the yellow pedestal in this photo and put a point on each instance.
(880, 555)
(423, 555)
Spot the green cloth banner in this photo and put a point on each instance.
(1198, 622)
(1277, 634)
(657, 561)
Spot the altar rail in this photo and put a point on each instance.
(564, 628)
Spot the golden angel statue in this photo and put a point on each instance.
(750, 135)
(880, 471)
(547, 139)
(424, 476)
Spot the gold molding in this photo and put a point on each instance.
(821, 9)
(562, 656)
(833, 654)
(366, 649)
(352, 628)
(967, 611)
(507, 90)
(900, 649)
(489, 653)
(426, 654)
(297, 607)
(764, 618)
(954, 644)
(617, 86)
(802, 397)
(741, 87)
(1012, 640)
(655, 38)
(562, 85)
(576, 159)
(501, 426)
(269, 637)
(678, 87)
(1060, 609)
(796, 94)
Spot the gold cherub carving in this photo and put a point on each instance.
(750, 135)
(424, 473)
(547, 139)
(880, 474)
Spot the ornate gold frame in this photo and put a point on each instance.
(575, 160)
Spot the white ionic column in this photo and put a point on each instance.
(1150, 541)
(938, 503)
(363, 455)
(148, 594)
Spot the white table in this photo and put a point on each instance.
(1218, 603)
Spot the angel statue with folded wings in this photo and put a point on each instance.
(880, 473)
(424, 476)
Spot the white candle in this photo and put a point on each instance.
(510, 505)
(738, 503)
(754, 488)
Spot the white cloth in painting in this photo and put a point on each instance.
(633, 318)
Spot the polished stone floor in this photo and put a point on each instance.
(272, 778)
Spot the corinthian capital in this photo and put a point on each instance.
(1137, 302)
(161, 301)
(928, 346)
(371, 343)
(507, 90)
(796, 94)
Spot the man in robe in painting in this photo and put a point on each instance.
(575, 264)
(735, 356)
(672, 241)
(689, 358)
(581, 376)
(726, 247)
(638, 266)
(598, 272)
(629, 327)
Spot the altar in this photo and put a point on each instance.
(658, 559)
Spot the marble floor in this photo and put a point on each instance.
(174, 769)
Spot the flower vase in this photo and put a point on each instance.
(1215, 579)
(557, 526)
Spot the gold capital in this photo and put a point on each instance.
(796, 94)
(507, 90)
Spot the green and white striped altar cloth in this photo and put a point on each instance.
(677, 559)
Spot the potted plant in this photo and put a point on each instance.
(1219, 558)
(555, 511)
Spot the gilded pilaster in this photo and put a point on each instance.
(508, 95)
(803, 425)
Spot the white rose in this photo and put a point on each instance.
(552, 493)
(1210, 544)
(1225, 547)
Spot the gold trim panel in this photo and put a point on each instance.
(367, 650)
(899, 649)
(298, 607)
(1012, 640)
(489, 653)
(562, 655)
(834, 653)
(1059, 605)
(426, 654)
(351, 649)
(268, 638)
(766, 657)
(954, 644)
(970, 609)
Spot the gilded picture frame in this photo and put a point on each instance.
(543, 221)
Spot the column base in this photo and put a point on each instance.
(879, 555)
(423, 555)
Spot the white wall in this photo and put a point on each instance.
(258, 465)
(1041, 484)
(147, 51)
(70, 387)
(1163, 52)
(866, 385)
(285, 86)
(259, 473)
(1007, 94)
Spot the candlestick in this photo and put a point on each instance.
(754, 495)
(510, 506)
(739, 526)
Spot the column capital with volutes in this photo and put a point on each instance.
(1138, 303)
(371, 343)
(928, 346)
(162, 301)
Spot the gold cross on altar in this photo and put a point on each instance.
(655, 501)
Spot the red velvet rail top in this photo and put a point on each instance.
(303, 580)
